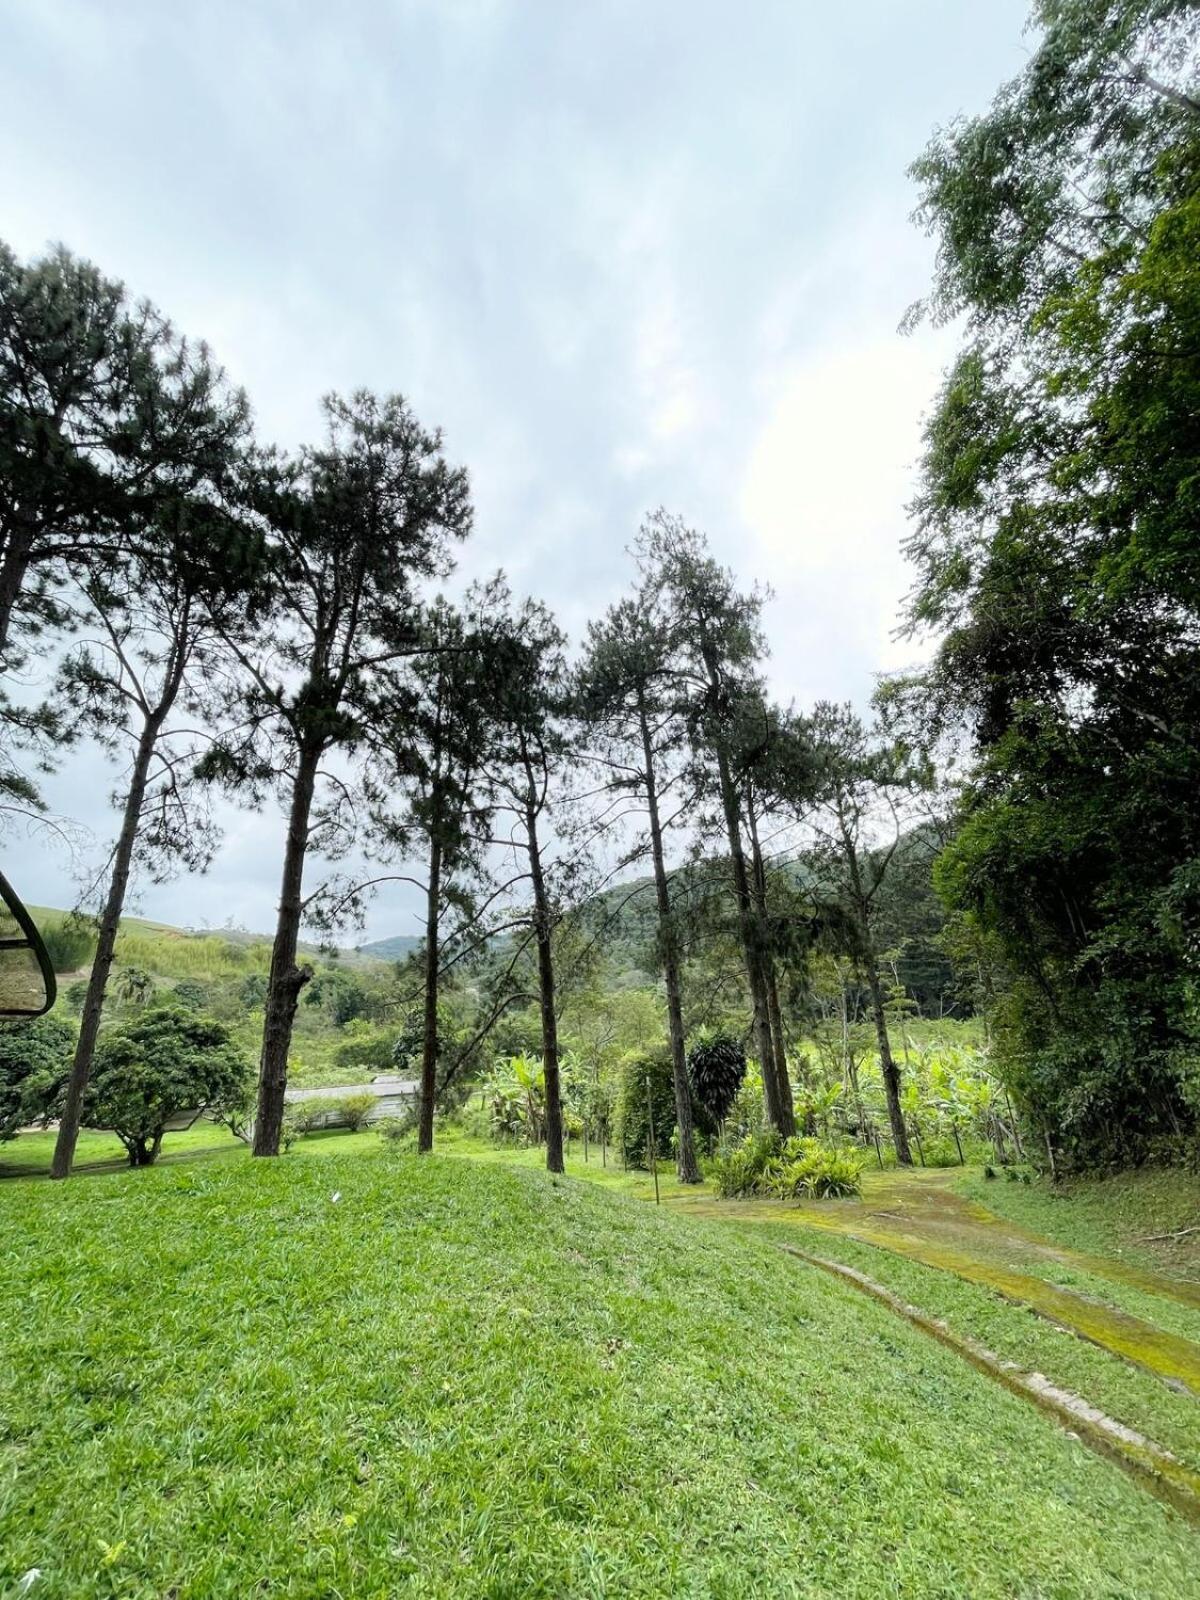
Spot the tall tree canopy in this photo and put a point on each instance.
(720, 643)
(629, 695)
(352, 525)
(110, 422)
(1058, 555)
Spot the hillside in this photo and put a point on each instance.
(395, 948)
(446, 1378)
(174, 952)
(223, 972)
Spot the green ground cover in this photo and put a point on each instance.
(1127, 1393)
(463, 1377)
(1119, 1216)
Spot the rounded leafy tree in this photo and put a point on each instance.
(716, 1066)
(162, 1065)
(34, 1058)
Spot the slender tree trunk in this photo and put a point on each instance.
(686, 1166)
(106, 941)
(770, 987)
(779, 1112)
(775, 1013)
(545, 955)
(887, 1065)
(429, 1047)
(286, 978)
(14, 565)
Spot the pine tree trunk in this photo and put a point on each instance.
(429, 1044)
(887, 1067)
(106, 941)
(686, 1165)
(286, 978)
(771, 989)
(545, 955)
(779, 1111)
(775, 1011)
(14, 565)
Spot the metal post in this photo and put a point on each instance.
(653, 1151)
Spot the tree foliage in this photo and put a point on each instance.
(152, 1069)
(1057, 555)
(34, 1057)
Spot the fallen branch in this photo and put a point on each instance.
(1161, 1238)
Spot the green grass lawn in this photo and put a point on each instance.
(1119, 1215)
(28, 1155)
(464, 1378)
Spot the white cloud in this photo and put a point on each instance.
(824, 495)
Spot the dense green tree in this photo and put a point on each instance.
(106, 414)
(646, 1089)
(1058, 559)
(351, 526)
(163, 1064)
(339, 994)
(109, 421)
(34, 1057)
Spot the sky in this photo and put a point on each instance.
(626, 253)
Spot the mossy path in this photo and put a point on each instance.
(1140, 1316)
(1146, 1321)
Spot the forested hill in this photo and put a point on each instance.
(911, 918)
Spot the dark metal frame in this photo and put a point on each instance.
(32, 941)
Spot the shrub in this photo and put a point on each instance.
(633, 1114)
(716, 1066)
(397, 1132)
(306, 1116)
(809, 1169)
(355, 1110)
(35, 1057)
(70, 944)
(739, 1172)
(766, 1164)
(516, 1095)
(193, 994)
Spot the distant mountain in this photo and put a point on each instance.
(396, 948)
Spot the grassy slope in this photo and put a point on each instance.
(467, 1379)
(1108, 1215)
(1012, 1331)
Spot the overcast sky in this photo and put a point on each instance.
(626, 253)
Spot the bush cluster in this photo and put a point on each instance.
(633, 1106)
(787, 1169)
